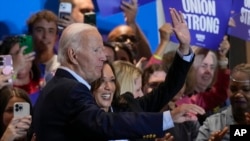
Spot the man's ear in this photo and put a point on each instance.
(72, 55)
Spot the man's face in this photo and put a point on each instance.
(154, 80)
(240, 95)
(124, 34)
(44, 36)
(79, 8)
(90, 56)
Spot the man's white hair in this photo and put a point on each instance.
(72, 38)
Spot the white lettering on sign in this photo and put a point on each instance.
(200, 15)
(206, 7)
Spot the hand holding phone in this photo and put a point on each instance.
(65, 10)
(90, 18)
(21, 109)
(6, 65)
(26, 41)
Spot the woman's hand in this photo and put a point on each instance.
(17, 128)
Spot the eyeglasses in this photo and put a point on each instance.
(124, 38)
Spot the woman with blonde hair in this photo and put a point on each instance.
(126, 74)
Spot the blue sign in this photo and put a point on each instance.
(241, 17)
(110, 7)
(206, 19)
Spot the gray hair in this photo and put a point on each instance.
(72, 38)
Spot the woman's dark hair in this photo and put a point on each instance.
(8, 43)
(6, 93)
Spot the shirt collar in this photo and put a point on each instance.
(76, 76)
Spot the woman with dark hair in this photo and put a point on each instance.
(27, 73)
(13, 129)
(109, 84)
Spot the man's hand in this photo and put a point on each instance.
(218, 135)
(130, 11)
(165, 31)
(181, 30)
(186, 112)
(66, 21)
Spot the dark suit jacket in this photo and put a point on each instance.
(67, 111)
(159, 97)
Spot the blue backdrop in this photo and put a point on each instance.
(14, 13)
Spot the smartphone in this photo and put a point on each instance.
(65, 8)
(21, 109)
(26, 40)
(90, 18)
(6, 64)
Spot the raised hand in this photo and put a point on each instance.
(224, 47)
(165, 31)
(139, 64)
(186, 112)
(181, 30)
(218, 135)
(130, 11)
(20, 59)
(222, 53)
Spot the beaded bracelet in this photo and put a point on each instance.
(157, 57)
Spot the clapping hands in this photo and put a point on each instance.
(218, 135)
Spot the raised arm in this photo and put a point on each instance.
(130, 11)
(181, 31)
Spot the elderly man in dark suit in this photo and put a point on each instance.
(66, 109)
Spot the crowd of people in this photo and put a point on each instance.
(82, 87)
